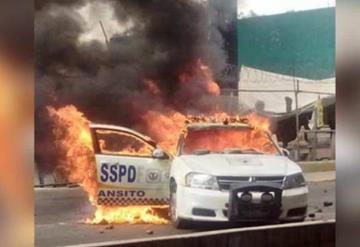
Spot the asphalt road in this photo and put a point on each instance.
(59, 213)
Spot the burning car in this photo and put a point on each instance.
(234, 172)
(223, 169)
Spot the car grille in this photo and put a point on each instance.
(225, 182)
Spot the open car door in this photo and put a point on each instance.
(130, 168)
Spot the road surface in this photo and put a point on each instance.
(59, 213)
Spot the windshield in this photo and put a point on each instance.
(228, 140)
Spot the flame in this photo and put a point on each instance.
(165, 128)
(201, 75)
(132, 215)
(73, 139)
(77, 163)
(211, 86)
(124, 148)
(218, 140)
(257, 138)
(258, 122)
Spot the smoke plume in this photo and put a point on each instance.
(152, 65)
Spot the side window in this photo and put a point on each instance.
(120, 143)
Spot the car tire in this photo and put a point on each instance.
(176, 221)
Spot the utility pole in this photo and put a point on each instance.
(103, 30)
(296, 91)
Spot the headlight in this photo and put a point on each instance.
(201, 181)
(294, 181)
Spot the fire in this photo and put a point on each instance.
(200, 75)
(258, 122)
(165, 128)
(125, 148)
(73, 140)
(211, 86)
(228, 140)
(256, 138)
(133, 215)
(77, 164)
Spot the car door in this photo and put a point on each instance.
(130, 168)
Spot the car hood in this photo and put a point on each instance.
(240, 164)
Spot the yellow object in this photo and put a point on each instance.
(319, 113)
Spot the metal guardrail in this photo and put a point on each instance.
(316, 233)
(276, 91)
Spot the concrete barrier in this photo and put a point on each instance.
(309, 234)
(317, 166)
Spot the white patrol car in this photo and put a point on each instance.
(236, 183)
(213, 178)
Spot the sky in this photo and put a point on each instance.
(100, 11)
(270, 7)
(92, 13)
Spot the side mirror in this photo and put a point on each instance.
(285, 152)
(160, 154)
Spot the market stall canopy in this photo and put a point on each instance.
(254, 79)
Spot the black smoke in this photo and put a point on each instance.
(166, 39)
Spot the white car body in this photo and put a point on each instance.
(138, 179)
(232, 166)
(212, 205)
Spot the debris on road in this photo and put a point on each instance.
(149, 232)
(319, 210)
(109, 227)
(103, 222)
(328, 204)
(312, 215)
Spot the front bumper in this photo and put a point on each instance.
(211, 205)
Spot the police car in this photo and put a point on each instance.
(210, 179)
(221, 173)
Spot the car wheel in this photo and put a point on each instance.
(175, 220)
